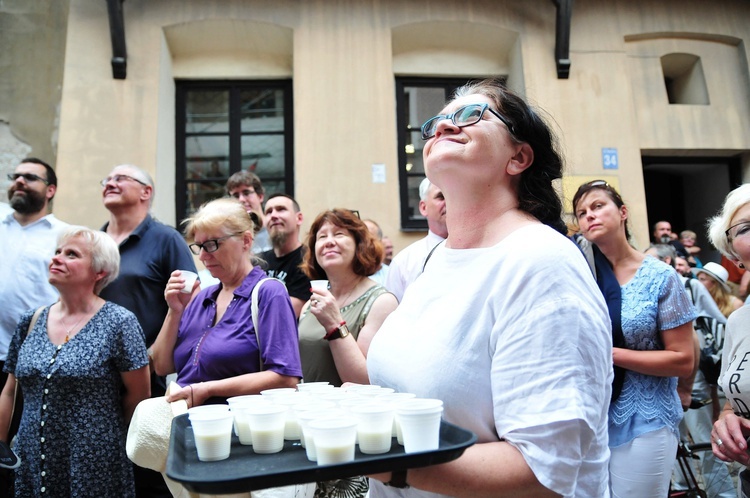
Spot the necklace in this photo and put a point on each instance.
(70, 330)
(344, 301)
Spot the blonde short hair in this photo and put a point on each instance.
(105, 256)
(719, 224)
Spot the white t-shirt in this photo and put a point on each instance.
(516, 341)
(735, 364)
(407, 264)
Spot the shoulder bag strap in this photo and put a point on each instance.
(254, 312)
(32, 323)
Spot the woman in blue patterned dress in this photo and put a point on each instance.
(656, 319)
(82, 368)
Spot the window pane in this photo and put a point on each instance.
(207, 111)
(423, 103)
(262, 109)
(264, 156)
(198, 193)
(414, 146)
(206, 157)
(413, 193)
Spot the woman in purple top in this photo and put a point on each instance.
(208, 336)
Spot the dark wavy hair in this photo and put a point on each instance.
(367, 254)
(536, 194)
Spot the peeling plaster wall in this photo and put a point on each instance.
(32, 37)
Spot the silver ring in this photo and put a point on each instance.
(719, 442)
(313, 302)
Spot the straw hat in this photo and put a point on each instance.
(717, 272)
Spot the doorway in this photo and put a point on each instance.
(687, 191)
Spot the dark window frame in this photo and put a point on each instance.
(234, 133)
(408, 222)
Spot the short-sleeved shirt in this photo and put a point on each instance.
(735, 363)
(206, 351)
(26, 253)
(148, 256)
(516, 341)
(286, 268)
(654, 300)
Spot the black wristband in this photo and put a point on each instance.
(398, 479)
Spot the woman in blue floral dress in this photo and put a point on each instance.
(83, 368)
(656, 319)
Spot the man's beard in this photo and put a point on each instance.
(31, 203)
(278, 236)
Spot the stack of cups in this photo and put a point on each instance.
(212, 429)
(419, 420)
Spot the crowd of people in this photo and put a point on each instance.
(576, 359)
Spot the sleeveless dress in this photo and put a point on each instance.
(317, 360)
(318, 365)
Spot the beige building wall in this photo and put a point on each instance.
(343, 57)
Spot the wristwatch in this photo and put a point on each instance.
(339, 332)
(398, 479)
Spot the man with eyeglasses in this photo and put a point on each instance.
(247, 188)
(28, 237)
(149, 252)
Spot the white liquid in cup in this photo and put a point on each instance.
(266, 427)
(334, 439)
(190, 278)
(242, 428)
(330, 455)
(213, 434)
(267, 440)
(374, 443)
(213, 447)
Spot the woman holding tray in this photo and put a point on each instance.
(506, 324)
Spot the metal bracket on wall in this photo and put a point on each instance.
(117, 33)
(562, 37)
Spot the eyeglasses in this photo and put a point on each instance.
(120, 179)
(211, 245)
(246, 193)
(738, 231)
(29, 177)
(464, 116)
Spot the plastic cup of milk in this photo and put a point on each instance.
(319, 284)
(241, 422)
(419, 420)
(190, 278)
(213, 434)
(374, 427)
(266, 427)
(334, 439)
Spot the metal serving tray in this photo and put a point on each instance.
(246, 471)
